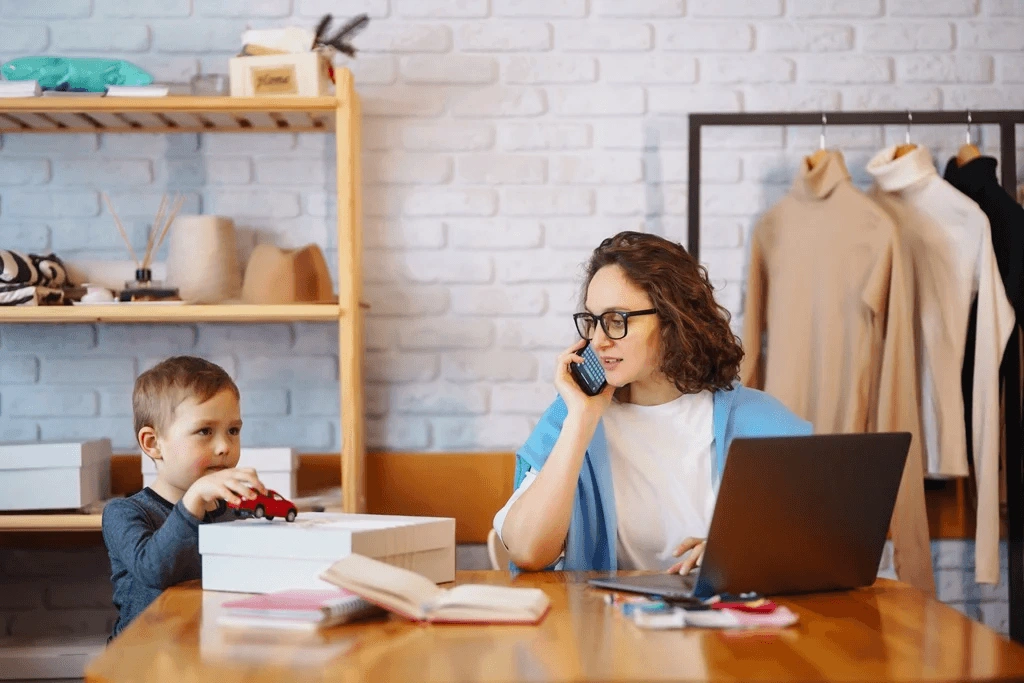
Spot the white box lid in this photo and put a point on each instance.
(327, 536)
(51, 454)
(260, 459)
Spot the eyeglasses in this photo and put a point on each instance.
(614, 323)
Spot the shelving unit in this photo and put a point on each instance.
(339, 114)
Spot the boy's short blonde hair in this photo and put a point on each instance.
(159, 390)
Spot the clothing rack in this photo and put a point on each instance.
(1010, 368)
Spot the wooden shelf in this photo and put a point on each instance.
(171, 114)
(51, 522)
(168, 313)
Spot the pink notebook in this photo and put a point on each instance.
(297, 609)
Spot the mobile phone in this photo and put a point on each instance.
(590, 373)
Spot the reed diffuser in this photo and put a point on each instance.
(143, 287)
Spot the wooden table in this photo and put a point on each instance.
(890, 631)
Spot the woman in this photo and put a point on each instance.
(627, 479)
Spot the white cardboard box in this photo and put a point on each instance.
(54, 476)
(260, 556)
(276, 468)
(303, 74)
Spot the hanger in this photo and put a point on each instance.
(907, 145)
(819, 156)
(967, 151)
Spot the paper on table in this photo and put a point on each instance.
(717, 618)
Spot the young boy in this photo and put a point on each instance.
(187, 419)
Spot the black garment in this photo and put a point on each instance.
(977, 179)
(31, 279)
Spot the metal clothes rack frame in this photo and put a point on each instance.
(1006, 120)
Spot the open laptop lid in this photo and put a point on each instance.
(794, 515)
(802, 514)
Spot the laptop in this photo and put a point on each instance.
(798, 514)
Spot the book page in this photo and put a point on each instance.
(398, 589)
(475, 602)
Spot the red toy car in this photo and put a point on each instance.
(269, 506)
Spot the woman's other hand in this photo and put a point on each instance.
(695, 546)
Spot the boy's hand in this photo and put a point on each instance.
(228, 485)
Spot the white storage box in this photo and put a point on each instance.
(54, 476)
(302, 74)
(275, 466)
(260, 556)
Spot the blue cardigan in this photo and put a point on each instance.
(592, 540)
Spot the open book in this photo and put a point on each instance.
(418, 598)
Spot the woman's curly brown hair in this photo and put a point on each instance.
(699, 350)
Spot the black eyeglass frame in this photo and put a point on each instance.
(625, 315)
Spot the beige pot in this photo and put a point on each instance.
(202, 259)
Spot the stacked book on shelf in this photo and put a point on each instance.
(137, 90)
(20, 89)
(32, 89)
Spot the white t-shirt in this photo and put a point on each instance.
(661, 473)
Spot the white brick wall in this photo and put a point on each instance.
(502, 141)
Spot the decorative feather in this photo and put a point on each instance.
(348, 30)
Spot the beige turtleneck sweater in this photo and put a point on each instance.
(827, 330)
(949, 258)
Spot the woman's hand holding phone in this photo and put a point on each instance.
(576, 400)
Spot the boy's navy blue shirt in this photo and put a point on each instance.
(153, 545)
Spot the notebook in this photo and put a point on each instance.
(416, 597)
(296, 609)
